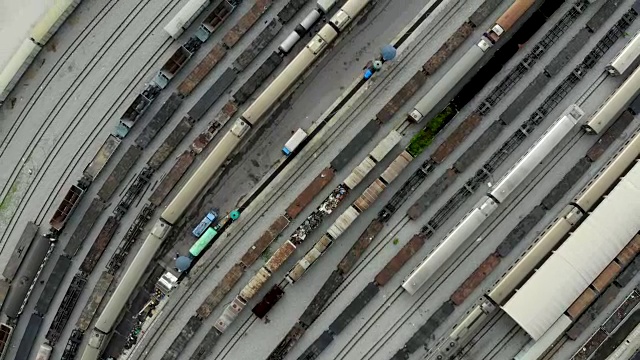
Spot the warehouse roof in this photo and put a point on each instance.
(579, 260)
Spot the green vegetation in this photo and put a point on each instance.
(396, 241)
(424, 138)
(6, 202)
(266, 255)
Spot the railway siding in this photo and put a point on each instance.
(214, 92)
(158, 121)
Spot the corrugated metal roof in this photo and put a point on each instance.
(562, 278)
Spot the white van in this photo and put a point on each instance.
(294, 142)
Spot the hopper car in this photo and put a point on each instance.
(502, 290)
(40, 35)
(498, 194)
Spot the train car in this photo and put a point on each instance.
(520, 171)
(205, 223)
(215, 18)
(437, 93)
(29, 337)
(299, 31)
(626, 57)
(44, 353)
(5, 336)
(628, 347)
(183, 19)
(66, 207)
(174, 211)
(21, 286)
(16, 67)
(615, 104)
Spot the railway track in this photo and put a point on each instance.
(68, 94)
(301, 166)
(448, 270)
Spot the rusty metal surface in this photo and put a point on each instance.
(101, 242)
(280, 256)
(94, 301)
(310, 192)
(119, 173)
(457, 137)
(448, 48)
(201, 142)
(402, 96)
(360, 246)
(475, 279)
(219, 292)
(170, 143)
(264, 241)
(401, 258)
(84, 227)
(202, 69)
(609, 136)
(173, 176)
(246, 22)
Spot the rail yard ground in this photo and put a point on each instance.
(71, 98)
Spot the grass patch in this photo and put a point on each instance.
(6, 202)
(266, 255)
(425, 137)
(396, 241)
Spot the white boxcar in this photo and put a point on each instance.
(185, 17)
(536, 153)
(615, 104)
(450, 244)
(627, 56)
(293, 143)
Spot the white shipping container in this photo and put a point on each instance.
(294, 142)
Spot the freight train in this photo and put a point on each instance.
(174, 211)
(568, 218)
(498, 194)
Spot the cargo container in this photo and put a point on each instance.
(20, 251)
(280, 256)
(26, 276)
(60, 269)
(224, 286)
(228, 110)
(101, 158)
(170, 143)
(65, 208)
(270, 299)
(215, 18)
(159, 120)
(99, 245)
(84, 227)
(211, 96)
(255, 284)
(94, 301)
(119, 173)
(172, 66)
(5, 336)
(133, 113)
(246, 22)
(44, 352)
(401, 97)
(401, 258)
(310, 192)
(295, 140)
(171, 179)
(257, 45)
(202, 69)
(29, 337)
(475, 279)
